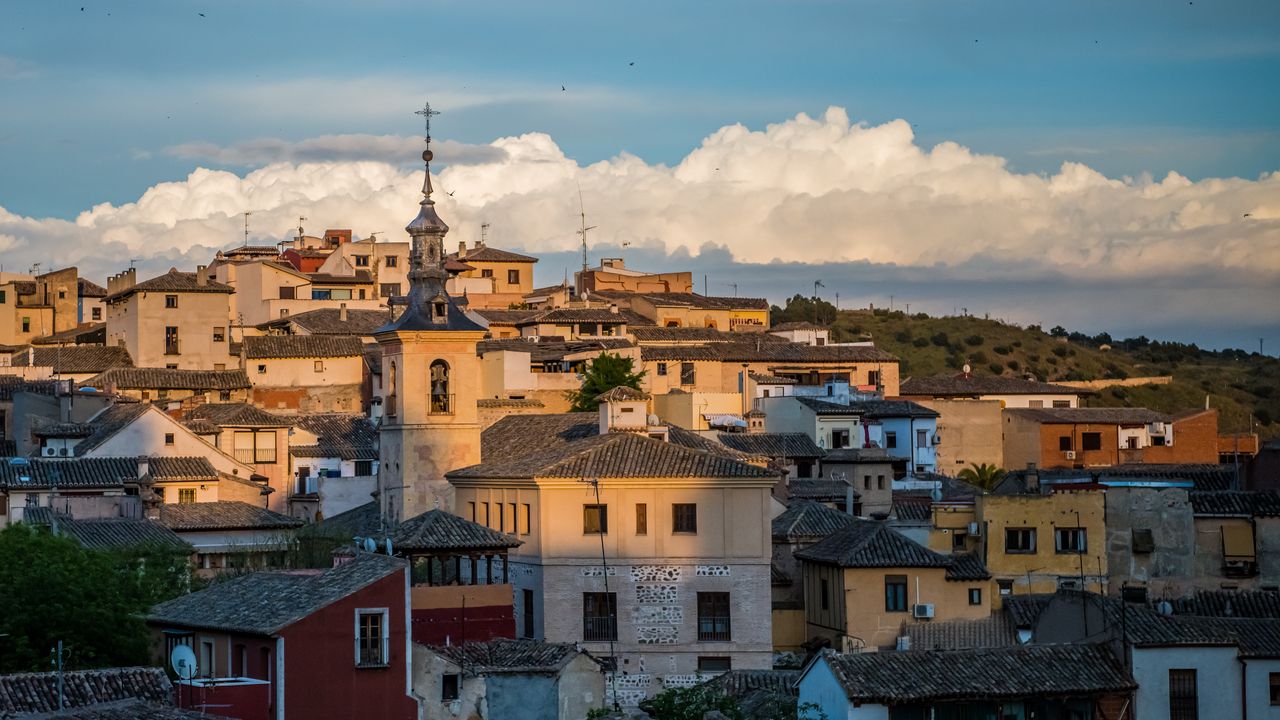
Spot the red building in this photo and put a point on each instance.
(329, 643)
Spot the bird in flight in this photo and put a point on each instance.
(200, 14)
(451, 192)
(1248, 214)
(633, 62)
(562, 88)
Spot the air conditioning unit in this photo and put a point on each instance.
(49, 452)
(1070, 454)
(975, 529)
(923, 611)
(904, 642)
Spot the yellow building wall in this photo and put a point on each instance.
(947, 521)
(789, 630)
(499, 269)
(970, 431)
(139, 321)
(1042, 569)
(867, 619)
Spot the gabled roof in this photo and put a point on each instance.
(83, 334)
(820, 489)
(1092, 416)
(997, 630)
(109, 421)
(234, 415)
(326, 321)
(10, 384)
(767, 351)
(1230, 603)
(1027, 671)
(509, 656)
(81, 473)
(223, 515)
(797, 325)
(90, 289)
(1235, 503)
(113, 533)
(30, 693)
(490, 254)
(881, 409)
(173, 282)
(341, 435)
(267, 602)
(169, 379)
(575, 315)
(705, 302)
(362, 520)
(966, 566)
(505, 317)
(977, 385)
(302, 346)
(872, 544)
(440, 530)
(615, 455)
(773, 445)
(808, 520)
(75, 358)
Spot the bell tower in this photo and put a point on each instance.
(431, 376)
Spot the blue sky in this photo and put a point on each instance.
(119, 106)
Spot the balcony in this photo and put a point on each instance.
(249, 456)
(714, 628)
(600, 628)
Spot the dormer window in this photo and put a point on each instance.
(439, 309)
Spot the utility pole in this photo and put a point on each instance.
(247, 213)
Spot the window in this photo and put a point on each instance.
(515, 522)
(171, 301)
(186, 496)
(891, 439)
(713, 616)
(642, 519)
(527, 596)
(513, 277)
(502, 517)
(688, 375)
(168, 438)
(206, 658)
(26, 324)
(171, 346)
(219, 334)
(95, 312)
(895, 593)
(873, 378)
(1069, 540)
(450, 685)
(471, 511)
(1064, 443)
(306, 483)
(879, 482)
(1183, 702)
(252, 446)
(595, 519)
(3, 297)
(1144, 541)
(922, 438)
(372, 636)
(599, 616)
(975, 596)
(958, 540)
(441, 400)
(684, 518)
(526, 515)
(1035, 403)
(288, 292)
(1062, 403)
(262, 369)
(361, 260)
(1091, 441)
(1020, 540)
(391, 261)
(389, 289)
(364, 468)
(866, 482)
(1273, 681)
(1006, 587)
(839, 438)
(714, 664)
(662, 368)
(824, 592)
(484, 514)
(1157, 441)
(486, 273)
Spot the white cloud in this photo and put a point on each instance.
(12, 68)
(809, 190)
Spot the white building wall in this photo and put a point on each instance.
(1258, 689)
(819, 687)
(1217, 680)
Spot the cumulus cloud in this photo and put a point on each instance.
(12, 68)
(393, 149)
(806, 191)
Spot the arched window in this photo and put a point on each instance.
(441, 400)
(391, 389)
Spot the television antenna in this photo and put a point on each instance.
(300, 221)
(246, 214)
(582, 212)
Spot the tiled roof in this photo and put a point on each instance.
(998, 630)
(340, 435)
(760, 693)
(44, 427)
(1207, 476)
(876, 409)
(761, 379)
(111, 533)
(363, 520)
(654, 334)
(173, 282)
(515, 436)
(1027, 671)
(126, 710)
(490, 254)
(1093, 416)
(1236, 503)
(506, 317)
(1230, 603)
(69, 473)
(705, 302)
(545, 350)
(235, 415)
(1024, 610)
(109, 421)
(361, 277)
(10, 384)
(872, 544)
(88, 288)
(821, 490)
(767, 352)
(302, 346)
(808, 520)
(75, 359)
(612, 456)
(325, 321)
(440, 530)
(29, 693)
(791, 326)
(168, 468)
(912, 507)
(826, 407)
(168, 379)
(265, 603)
(622, 393)
(222, 515)
(975, 385)
(856, 455)
(509, 403)
(966, 567)
(575, 315)
(509, 656)
(774, 445)
(83, 334)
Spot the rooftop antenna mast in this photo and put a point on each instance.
(246, 213)
(300, 233)
(582, 212)
(484, 233)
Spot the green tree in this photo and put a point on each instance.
(52, 589)
(690, 704)
(804, 309)
(603, 374)
(984, 476)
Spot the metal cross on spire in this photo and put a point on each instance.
(426, 112)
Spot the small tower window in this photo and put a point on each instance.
(441, 400)
(391, 390)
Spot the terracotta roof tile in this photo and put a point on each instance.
(872, 544)
(807, 520)
(440, 530)
(75, 358)
(490, 254)
(169, 379)
(995, 631)
(340, 435)
(302, 346)
(234, 415)
(326, 321)
(222, 515)
(29, 693)
(1096, 416)
(173, 282)
(773, 445)
(767, 352)
(509, 656)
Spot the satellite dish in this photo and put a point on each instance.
(183, 661)
(370, 545)
(1164, 607)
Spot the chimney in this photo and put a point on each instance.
(613, 308)
(202, 277)
(342, 312)
(462, 249)
(144, 466)
(1033, 478)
